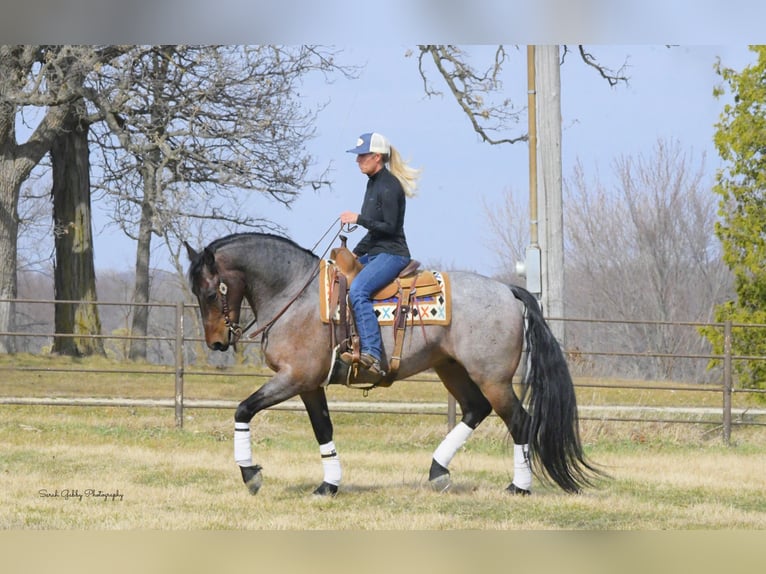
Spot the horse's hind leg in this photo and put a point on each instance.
(316, 406)
(519, 429)
(510, 409)
(475, 409)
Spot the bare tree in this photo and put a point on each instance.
(74, 273)
(478, 90)
(36, 229)
(44, 83)
(477, 93)
(645, 249)
(74, 270)
(474, 89)
(23, 86)
(35, 260)
(508, 234)
(194, 132)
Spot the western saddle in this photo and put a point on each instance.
(411, 282)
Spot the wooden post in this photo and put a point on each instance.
(727, 382)
(532, 121)
(179, 360)
(532, 256)
(451, 412)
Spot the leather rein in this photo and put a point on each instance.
(236, 330)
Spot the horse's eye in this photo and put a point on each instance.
(212, 297)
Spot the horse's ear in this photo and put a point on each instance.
(208, 259)
(190, 251)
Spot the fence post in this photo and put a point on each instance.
(179, 360)
(727, 382)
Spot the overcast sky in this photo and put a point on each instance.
(669, 96)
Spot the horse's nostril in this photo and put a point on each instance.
(219, 346)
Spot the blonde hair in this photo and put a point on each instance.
(407, 176)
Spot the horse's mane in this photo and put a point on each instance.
(195, 267)
(221, 242)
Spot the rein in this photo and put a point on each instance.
(236, 330)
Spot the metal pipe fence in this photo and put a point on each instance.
(179, 364)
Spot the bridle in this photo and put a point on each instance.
(235, 329)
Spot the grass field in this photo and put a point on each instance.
(116, 468)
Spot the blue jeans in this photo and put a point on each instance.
(378, 271)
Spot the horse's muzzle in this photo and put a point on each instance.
(234, 332)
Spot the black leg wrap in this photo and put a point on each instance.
(252, 477)
(326, 489)
(516, 491)
(439, 477)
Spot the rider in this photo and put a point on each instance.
(383, 250)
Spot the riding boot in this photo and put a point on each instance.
(366, 361)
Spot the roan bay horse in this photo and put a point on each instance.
(475, 356)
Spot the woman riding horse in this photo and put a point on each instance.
(383, 251)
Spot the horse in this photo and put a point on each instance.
(475, 356)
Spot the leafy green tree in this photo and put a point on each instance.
(740, 139)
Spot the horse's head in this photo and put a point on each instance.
(219, 293)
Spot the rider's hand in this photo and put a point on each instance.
(348, 217)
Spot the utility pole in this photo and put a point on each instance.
(530, 267)
(544, 263)
(549, 189)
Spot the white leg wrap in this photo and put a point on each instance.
(330, 463)
(243, 452)
(452, 443)
(522, 471)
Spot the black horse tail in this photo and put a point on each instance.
(549, 397)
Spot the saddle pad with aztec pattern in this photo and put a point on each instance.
(428, 310)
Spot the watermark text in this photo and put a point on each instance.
(82, 494)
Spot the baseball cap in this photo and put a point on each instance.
(371, 143)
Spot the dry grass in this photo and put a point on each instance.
(665, 476)
(668, 478)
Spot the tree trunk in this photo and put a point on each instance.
(9, 226)
(143, 251)
(74, 272)
(19, 83)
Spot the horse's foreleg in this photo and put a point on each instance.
(319, 414)
(276, 390)
(243, 455)
(475, 408)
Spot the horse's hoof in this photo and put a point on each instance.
(326, 489)
(252, 477)
(516, 491)
(440, 483)
(438, 477)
